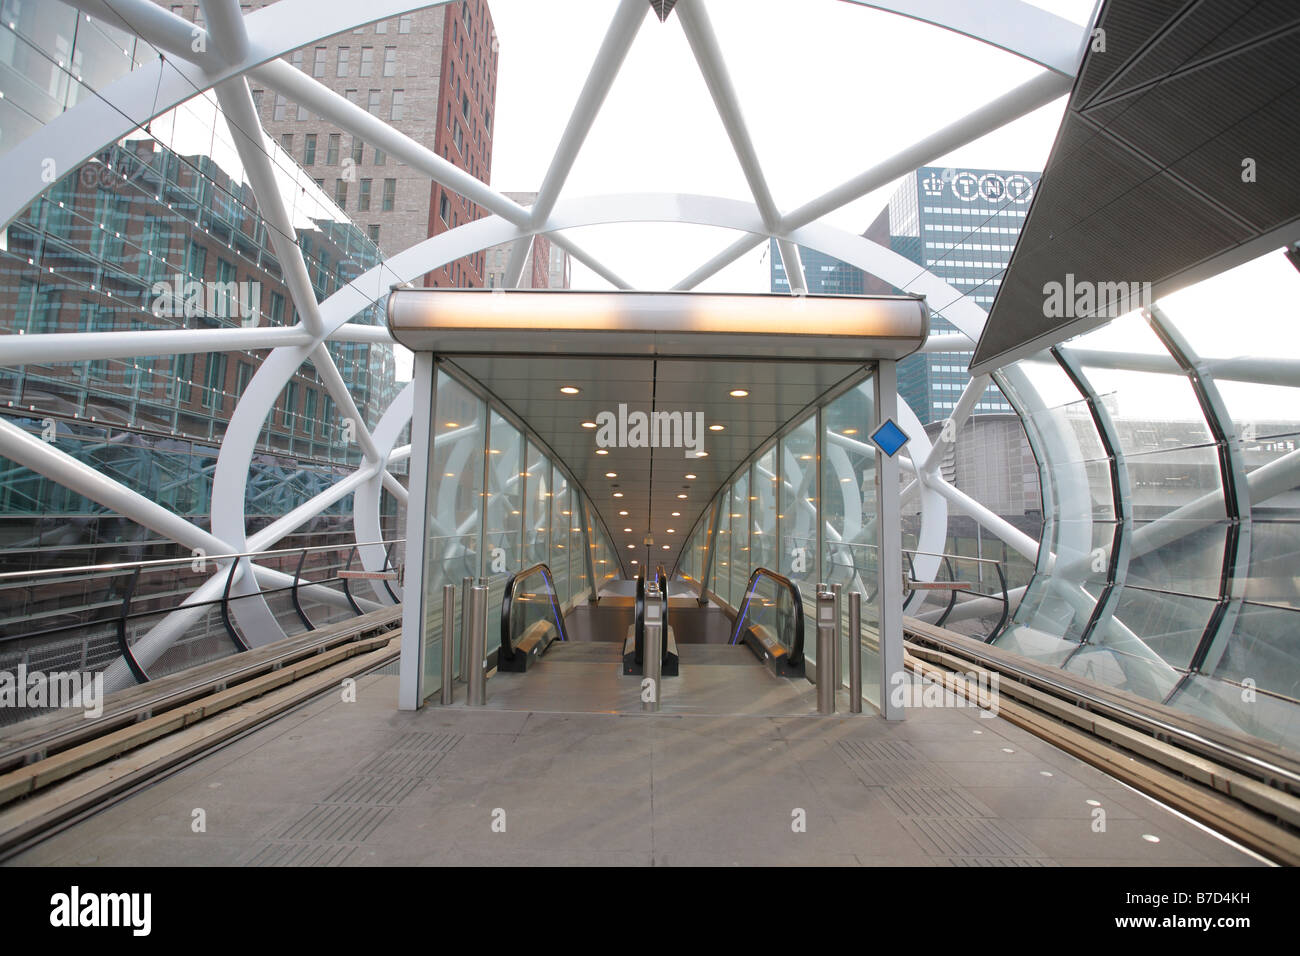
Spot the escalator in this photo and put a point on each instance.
(634, 645)
(534, 624)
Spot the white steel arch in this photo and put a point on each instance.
(236, 45)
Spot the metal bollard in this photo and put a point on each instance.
(855, 652)
(466, 583)
(475, 675)
(448, 643)
(652, 655)
(825, 651)
(839, 636)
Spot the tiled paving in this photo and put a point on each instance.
(526, 780)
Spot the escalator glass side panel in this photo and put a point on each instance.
(530, 618)
(771, 621)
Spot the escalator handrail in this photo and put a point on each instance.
(796, 650)
(661, 581)
(508, 597)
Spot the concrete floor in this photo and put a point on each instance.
(361, 783)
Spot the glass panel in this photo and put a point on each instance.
(849, 521)
(798, 511)
(537, 547)
(560, 512)
(1274, 558)
(455, 519)
(721, 574)
(503, 539)
(739, 515)
(578, 548)
(1264, 648)
(762, 486)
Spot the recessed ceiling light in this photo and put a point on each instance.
(716, 428)
(570, 389)
(452, 425)
(611, 474)
(672, 530)
(451, 474)
(588, 424)
(602, 451)
(805, 457)
(627, 529)
(677, 514)
(631, 547)
(681, 496)
(634, 560)
(667, 547)
(691, 477)
(738, 393)
(701, 454)
(618, 494)
(850, 431)
(622, 514)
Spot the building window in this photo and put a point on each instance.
(444, 209)
(390, 194)
(286, 142)
(464, 105)
(309, 149)
(381, 27)
(390, 61)
(398, 107)
(257, 100)
(372, 102)
(332, 150)
(404, 24)
(303, 115)
(277, 309)
(381, 158)
(358, 148)
(341, 69)
(341, 193)
(318, 65)
(215, 398)
(351, 96)
(367, 60)
(374, 234)
(277, 112)
(363, 196)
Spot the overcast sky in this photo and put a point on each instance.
(828, 88)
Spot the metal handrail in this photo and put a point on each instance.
(120, 621)
(796, 651)
(190, 559)
(507, 600)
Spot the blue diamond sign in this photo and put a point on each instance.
(889, 438)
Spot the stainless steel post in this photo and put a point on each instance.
(448, 643)
(475, 675)
(855, 652)
(652, 654)
(465, 584)
(825, 651)
(839, 635)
